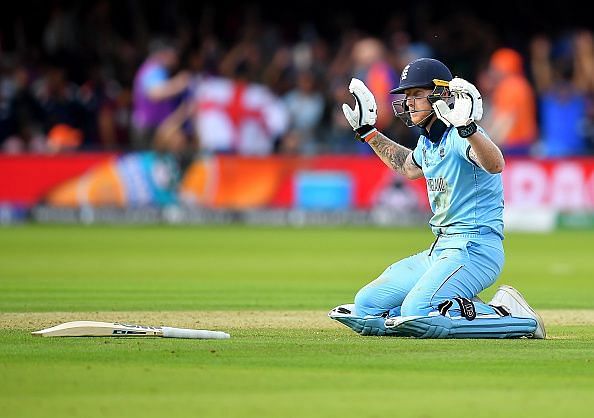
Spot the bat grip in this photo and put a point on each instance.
(170, 332)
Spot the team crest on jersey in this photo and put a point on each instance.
(425, 156)
(404, 73)
(441, 153)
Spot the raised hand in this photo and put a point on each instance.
(468, 107)
(363, 117)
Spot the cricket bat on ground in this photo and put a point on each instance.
(117, 329)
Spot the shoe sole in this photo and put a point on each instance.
(522, 301)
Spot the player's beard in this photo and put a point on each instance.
(426, 119)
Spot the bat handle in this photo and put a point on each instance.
(170, 332)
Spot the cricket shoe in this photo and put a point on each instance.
(513, 301)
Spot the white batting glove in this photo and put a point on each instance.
(468, 107)
(363, 117)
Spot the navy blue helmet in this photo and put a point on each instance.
(421, 73)
(426, 73)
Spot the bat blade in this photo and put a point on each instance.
(98, 329)
(118, 329)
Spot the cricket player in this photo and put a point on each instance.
(433, 294)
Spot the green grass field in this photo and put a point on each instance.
(271, 288)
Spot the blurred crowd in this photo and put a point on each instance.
(98, 79)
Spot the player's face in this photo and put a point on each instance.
(419, 106)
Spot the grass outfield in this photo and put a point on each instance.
(271, 289)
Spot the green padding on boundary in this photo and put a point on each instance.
(575, 220)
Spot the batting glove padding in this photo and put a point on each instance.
(468, 107)
(363, 117)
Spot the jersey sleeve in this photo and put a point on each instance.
(462, 147)
(417, 154)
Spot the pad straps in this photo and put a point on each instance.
(466, 307)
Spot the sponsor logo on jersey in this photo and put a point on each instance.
(438, 184)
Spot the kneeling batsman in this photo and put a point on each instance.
(454, 319)
(424, 313)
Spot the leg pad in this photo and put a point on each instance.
(440, 326)
(369, 325)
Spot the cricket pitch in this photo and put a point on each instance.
(311, 319)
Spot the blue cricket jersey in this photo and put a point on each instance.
(464, 198)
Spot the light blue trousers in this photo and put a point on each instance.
(455, 265)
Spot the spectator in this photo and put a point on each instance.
(171, 139)
(584, 77)
(24, 123)
(512, 120)
(99, 94)
(562, 104)
(371, 66)
(238, 115)
(339, 134)
(61, 30)
(63, 138)
(62, 108)
(305, 105)
(156, 93)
